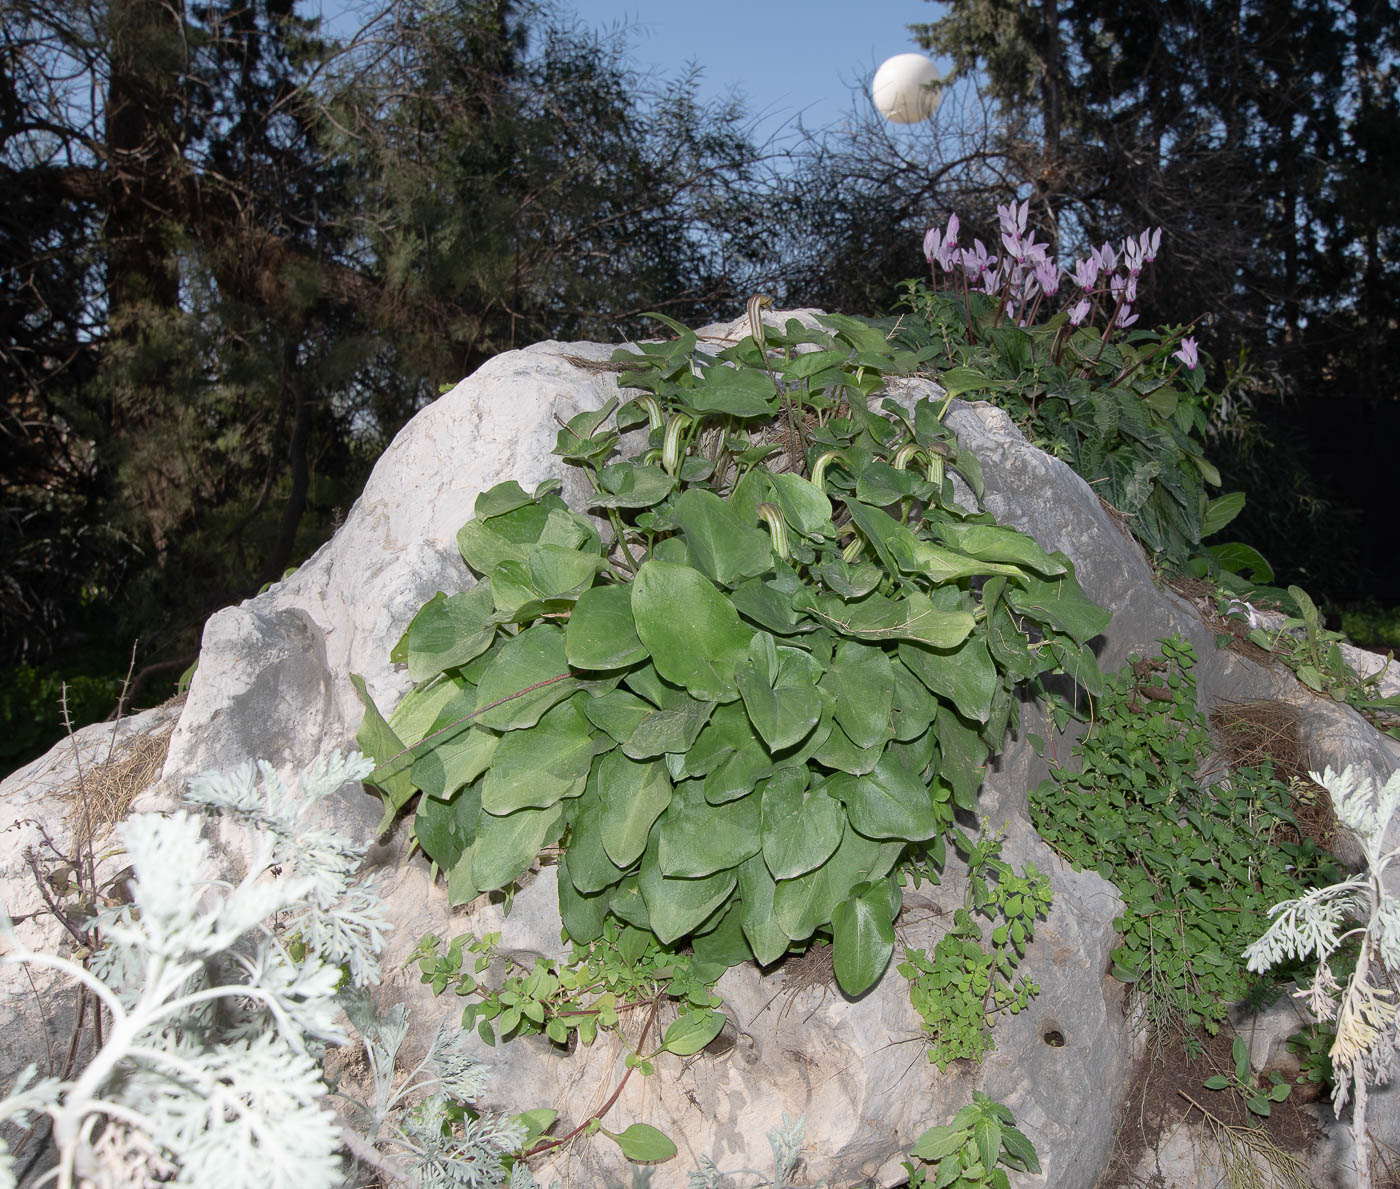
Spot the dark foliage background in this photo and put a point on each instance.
(238, 253)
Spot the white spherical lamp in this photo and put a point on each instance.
(906, 89)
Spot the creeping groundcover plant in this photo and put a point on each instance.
(785, 666)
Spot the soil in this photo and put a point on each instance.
(1157, 1103)
(1201, 595)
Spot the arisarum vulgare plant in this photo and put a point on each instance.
(1056, 347)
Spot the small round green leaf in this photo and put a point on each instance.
(692, 1032)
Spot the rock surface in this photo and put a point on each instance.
(40, 813)
(273, 682)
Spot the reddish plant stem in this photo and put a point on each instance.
(548, 1145)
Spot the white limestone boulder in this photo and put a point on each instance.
(273, 683)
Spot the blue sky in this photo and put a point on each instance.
(784, 57)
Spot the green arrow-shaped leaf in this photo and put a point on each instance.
(691, 630)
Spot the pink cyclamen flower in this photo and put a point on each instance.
(1013, 218)
(1187, 353)
(1149, 242)
(1125, 318)
(941, 248)
(1124, 288)
(1086, 272)
(1107, 258)
(1132, 257)
(1078, 312)
(949, 255)
(933, 240)
(975, 261)
(1047, 276)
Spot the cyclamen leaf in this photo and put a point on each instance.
(964, 675)
(617, 713)
(1063, 604)
(734, 392)
(805, 506)
(698, 838)
(504, 497)
(539, 767)
(761, 930)
(483, 548)
(889, 803)
(379, 742)
(727, 731)
(782, 716)
(628, 486)
(940, 564)
(767, 606)
(527, 676)
(445, 829)
(669, 728)
(878, 618)
(459, 753)
(676, 907)
(841, 755)
(737, 774)
(862, 681)
(633, 796)
(590, 867)
(848, 581)
(506, 846)
(803, 905)
(997, 543)
(558, 572)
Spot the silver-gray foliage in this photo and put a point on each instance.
(786, 1142)
(220, 997)
(1316, 924)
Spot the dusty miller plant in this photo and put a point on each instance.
(1320, 921)
(786, 1142)
(425, 1149)
(209, 1074)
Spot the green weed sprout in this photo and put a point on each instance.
(965, 1154)
(1320, 921)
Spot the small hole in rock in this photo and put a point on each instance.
(1054, 1038)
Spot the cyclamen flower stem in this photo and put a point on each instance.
(967, 307)
(1108, 326)
(1035, 309)
(1130, 369)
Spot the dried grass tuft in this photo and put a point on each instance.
(1263, 730)
(104, 795)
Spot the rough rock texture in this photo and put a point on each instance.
(39, 814)
(273, 683)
